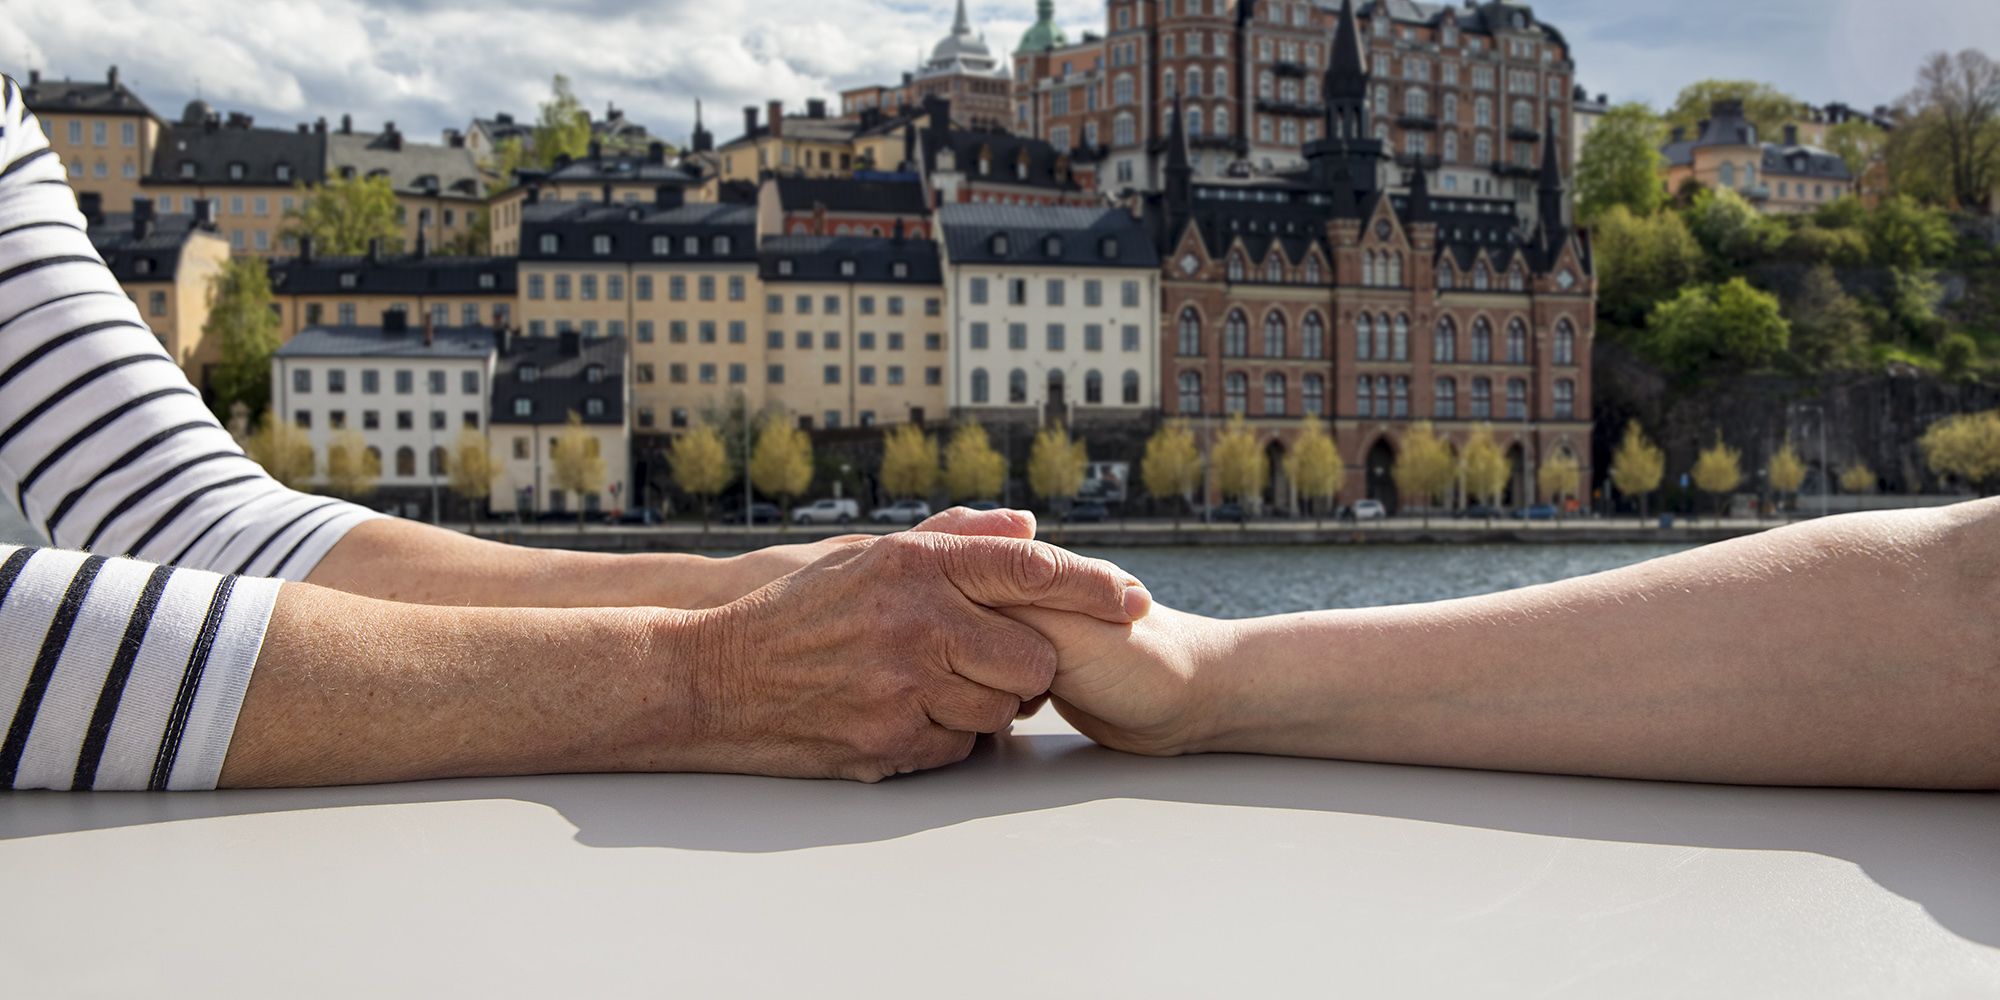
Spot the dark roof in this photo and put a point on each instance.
(1727, 126)
(632, 227)
(873, 259)
(613, 168)
(843, 194)
(562, 381)
(97, 97)
(209, 149)
(1804, 161)
(1003, 152)
(417, 168)
(155, 257)
(376, 342)
(1078, 237)
(1484, 17)
(399, 274)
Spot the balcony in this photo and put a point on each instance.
(1212, 140)
(1501, 168)
(1409, 120)
(1524, 133)
(1426, 161)
(1287, 68)
(1296, 109)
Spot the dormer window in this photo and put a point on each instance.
(487, 280)
(600, 245)
(593, 407)
(236, 171)
(899, 269)
(847, 269)
(721, 244)
(348, 279)
(1000, 244)
(663, 246)
(1052, 246)
(524, 407)
(691, 245)
(143, 265)
(283, 172)
(1021, 169)
(593, 374)
(785, 267)
(549, 243)
(1108, 249)
(529, 374)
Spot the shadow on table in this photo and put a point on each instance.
(1940, 850)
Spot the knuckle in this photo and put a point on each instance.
(1036, 568)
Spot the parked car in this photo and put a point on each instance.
(827, 510)
(760, 513)
(1480, 510)
(1086, 512)
(640, 515)
(1368, 510)
(1227, 513)
(901, 512)
(1536, 512)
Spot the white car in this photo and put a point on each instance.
(1369, 510)
(827, 510)
(901, 512)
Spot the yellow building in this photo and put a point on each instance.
(251, 174)
(104, 134)
(809, 145)
(537, 385)
(314, 290)
(1780, 178)
(167, 265)
(599, 177)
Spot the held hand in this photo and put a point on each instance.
(736, 576)
(885, 657)
(1140, 687)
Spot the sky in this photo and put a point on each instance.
(433, 64)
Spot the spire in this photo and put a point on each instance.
(1345, 89)
(1550, 193)
(960, 24)
(701, 141)
(1179, 175)
(1420, 197)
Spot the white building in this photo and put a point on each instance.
(1053, 310)
(409, 392)
(538, 383)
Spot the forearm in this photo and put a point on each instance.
(1857, 650)
(405, 561)
(351, 690)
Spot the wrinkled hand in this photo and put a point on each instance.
(735, 576)
(885, 656)
(1137, 687)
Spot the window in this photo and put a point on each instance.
(705, 287)
(1190, 392)
(1235, 267)
(1313, 336)
(1445, 399)
(830, 375)
(1236, 335)
(1444, 342)
(1274, 395)
(1364, 338)
(1017, 386)
(1093, 387)
(1382, 333)
(1517, 343)
(600, 245)
(1093, 292)
(1517, 399)
(1565, 343)
(1482, 399)
(1055, 336)
(1190, 332)
(1236, 393)
(1364, 396)
(1482, 342)
(1401, 406)
(549, 243)
(1093, 337)
(1565, 399)
(406, 461)
(1312, 395)
(1401, 351)
(1274, 334)
(981, 391)
(1017, 292)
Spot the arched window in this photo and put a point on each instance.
(1221, 111)
(981, 391)
(1235, 267)
(1384, 329)
(1190, 392)
(1194, 81)
(1190, 332)
(1093, 387)
(1450, 143)
(1482, 341)
(1450, 107)
(1727, 175)
(1401, 406)
(1131, 386)
(1368, 269)
(1221, 83)
(1395, 279)
(1565, 343)
(439, 462)
(1364, 396)
(1312, 270)
(1482, 112)
(1364, 338)
(1236, 335)
(1524, 115)
(1017, 387)
(1382, 396)
(1274, 269)
(1482, 148)
(1565, 399)
(1515, 281)
(1274, 394)
(1274, 334)
(1402, 342)
(1482, 399)
(1445, 402)
(1482, 279)
(1236, 393)
(1447, 277)
(1444, 342)
(1312, 395)
(1167, 84)
(1517, 343)
(1194, 121)
(1313, 335)
(406, 462)
(1517, 399)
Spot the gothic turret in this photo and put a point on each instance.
(1347, 159)
(702, 141)
(1551, 201)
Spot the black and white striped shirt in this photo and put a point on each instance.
(119, 673)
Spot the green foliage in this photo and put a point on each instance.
(476, 240)
(909, 462)
(1912, 307)
(1946, 149)
(1056, 464)
(1314, 465)
(1844, 212)
(1482, 467)
(1731, 324)
(510, 155)
(1829, 328)
(284, 450)
(1172, 465)
(1959, 354)
(563, 127)
(1638, 465)
(1857, 142)
(781, 463)
(1766, 106)
(1640, 261)
(972, 469)
(241, 320)
(1718, 470)
(1620, 163)
(1730, 229)
(344, 213)
(1903, 233)
(1813, 243)
(1424, 467)
(1966, 446)
(1241, 467)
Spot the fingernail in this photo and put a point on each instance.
(1137, 602)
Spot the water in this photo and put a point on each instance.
(1264, 580)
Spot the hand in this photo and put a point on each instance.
(885, 656)
(735, 576)
(1142, 688)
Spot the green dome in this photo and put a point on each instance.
(1044, 35)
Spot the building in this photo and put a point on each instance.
(167, 265)
(1059, 85)
(681, 281)
(811, 144)
(409, 391)
(103, 132)
(988, 166)
(313, 290)
(853, 328)
(1053, 311)
(540, 383)
(879, 205)
(485, 136)
(1778, 177)
(440, 191)
(1325, 294)
(961, 69)
(255, 176)
(1585, 112)
(601, 176)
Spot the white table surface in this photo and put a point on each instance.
(1042, 867)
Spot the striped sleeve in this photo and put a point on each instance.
(103, 443)
(122, 674)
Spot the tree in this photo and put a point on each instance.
(1946, 149)
(285, 452)
(1055, 465)
(781, 463)
(1787, 472)
(1560, 477)
(243, 323)
(508, 156)
(471, 471)
(1913, 297)
(344, 213)
(1314, 466)
(972, 469)
(475, 240)
(1423, 470)
(1903, 233)
(1482, 468)
(1731, 324)
(1640, 261)
(1765, 106)
(563, 128)
(1857, 478)
(1967, 446)
(1730, 228)
(1717, 471)
(909, 462)
(1620, 163)
(700, 464)
(1637, 466)
(1858, 142)
(352, 470)
(1241, 467)
(1829, 328)
(1959, 354)
(1813, 243)
(1172, 466)
(577, 464)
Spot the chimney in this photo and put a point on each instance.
(502, 118)
(607, 193)
(656, 154)
(562, 160)
(395, 321)
(305, 249)
(142, 218)
(596, 150)
(775, 111)
(899, 229)
(346, 124)
(572, 344)
(816, 107)
(940, 114)
(1680, 133)
(34, 77)
(392, 138)
(430, 329)
(303, 128)
(750, 120)
(1791, 135)
(505, 338)
(319, 125)
(668, 196)
(454, 138)
(91, 204)
(204, 214)
(534, 195)
(111, 78)
(374, 249)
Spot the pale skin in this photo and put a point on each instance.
(1861, 650)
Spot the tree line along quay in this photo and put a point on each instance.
(1281, 268)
